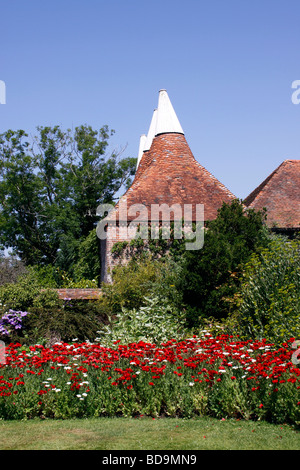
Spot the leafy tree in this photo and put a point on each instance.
(50, 188)
(88, 264)
(210, 276)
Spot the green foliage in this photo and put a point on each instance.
(79, 319)
(138, 278)
(209, 277)
(66, 282)
(46, 276)
(50, 188)
(131, 283)
(49, 318)
(119, 247)
(269, 301)
(26, 293)
(154, 322)
(143, 302)
(55, 278)
(235, 396)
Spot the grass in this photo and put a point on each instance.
(147, 434)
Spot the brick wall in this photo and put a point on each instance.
(108, 260)
(79, 294)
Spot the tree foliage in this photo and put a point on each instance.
(50, 188)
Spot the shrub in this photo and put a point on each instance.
(26, 293)
(269, 301)
(68, 283)
(18, 300)
(88, 265)
(155, 322)
(48, 318)
(55, 278)
(71, 319)
(209, 277)
(140, 278)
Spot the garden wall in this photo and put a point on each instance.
(79, 294)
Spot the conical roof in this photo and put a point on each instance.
(168, 173)
(279, 193)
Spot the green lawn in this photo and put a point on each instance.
(147, 434)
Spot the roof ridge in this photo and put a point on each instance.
(257, 191)
(279, 194)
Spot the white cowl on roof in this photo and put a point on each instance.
(164, 120)
(167, 121)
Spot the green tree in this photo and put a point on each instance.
(210, 276)
(50, 188)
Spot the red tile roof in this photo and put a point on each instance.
(280, 195)
(168, 173)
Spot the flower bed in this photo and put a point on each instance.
(197, 376)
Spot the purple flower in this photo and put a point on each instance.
(11, 319)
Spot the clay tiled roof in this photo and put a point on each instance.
(168, 173)
(280, 195)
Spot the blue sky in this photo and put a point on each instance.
(228, 67)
